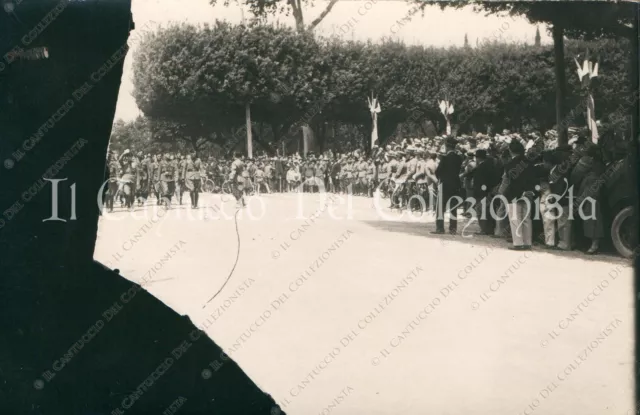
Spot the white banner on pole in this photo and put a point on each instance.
(374, 108)
(446, 108)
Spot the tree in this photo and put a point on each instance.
(594, 21)
(572, 19)
(537, 38)
(133, 135)
(202, 78)
(262, 8)
(466, 41)
(176, 135)
(199, 79)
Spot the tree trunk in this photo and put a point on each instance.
(321, 137)
(275, 129)
(635, 44)
(296, 10)
(561, 82)
(323, 14)
(249, 138)
(266, 146)
(194, 143)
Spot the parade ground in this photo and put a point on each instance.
(338, 306)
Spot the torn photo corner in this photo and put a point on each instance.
(283, 245)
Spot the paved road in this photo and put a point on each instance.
(357, 311)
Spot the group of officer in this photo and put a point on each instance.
(136, 177)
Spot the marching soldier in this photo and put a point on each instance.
(142, 175)
(236, 175)
(191, 174)
(128, 180)
(167, 180)
(154, 178)
(179, 165)
(114, 174)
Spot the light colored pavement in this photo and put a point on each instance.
(373, 315)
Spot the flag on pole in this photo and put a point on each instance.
(591, 69)
(446, 108)
(249, 137)
(591, 119)
(374, 108)
(308, 140)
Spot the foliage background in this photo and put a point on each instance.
(192, 84)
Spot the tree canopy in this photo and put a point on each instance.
(200, 78)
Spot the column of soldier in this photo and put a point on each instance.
(416, 174)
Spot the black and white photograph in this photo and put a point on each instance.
(308, 207)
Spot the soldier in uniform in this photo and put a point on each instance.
(259, 178)
(269, 174)
(412, 169)
(334, 175)
(167, 180)
(142, 176)
(348, 175)
(393, 167)
(175, 165)
(154, 178)
(192, 181)
(179, 165)
(400, 178)
(320, 172)
(383, 173)
(309, 175)
(361, 168)
(114, 174)
(370, 178)
(246, 175)
(128, 180)
(237, 176)
(420, 177)
(291, 178)
(430, 165)
(280, 174)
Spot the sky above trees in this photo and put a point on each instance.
(350, 19)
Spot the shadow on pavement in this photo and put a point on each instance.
(470, 238)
